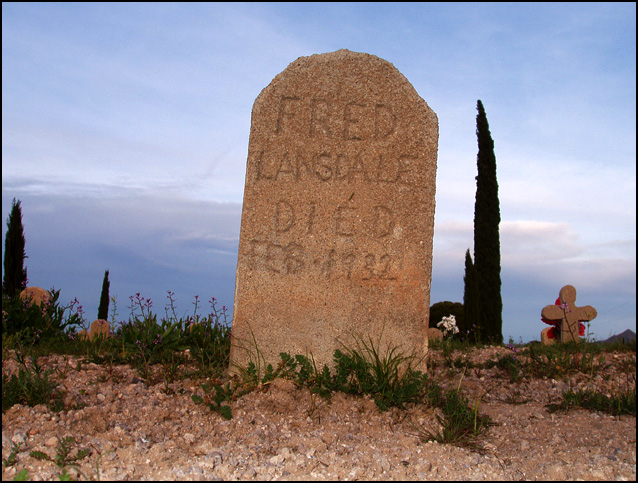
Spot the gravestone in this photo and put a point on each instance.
(338, 214)
(99, 327)
(568, 315)
(37, 295)
(435, 334)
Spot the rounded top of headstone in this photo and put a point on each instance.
(349, 72)
(339, 87)
(37, 294)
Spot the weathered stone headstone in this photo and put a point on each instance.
(568, 315)
(435, 334)
(99, 327)
(37, 295)
(338, 214)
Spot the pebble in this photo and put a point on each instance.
(19, 437)
(51, 442)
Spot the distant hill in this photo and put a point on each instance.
(626, 336)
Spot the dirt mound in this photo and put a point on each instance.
(281, 431)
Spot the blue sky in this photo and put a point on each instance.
(125, 134)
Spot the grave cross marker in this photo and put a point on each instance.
(569, 314)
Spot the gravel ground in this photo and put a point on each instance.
(134, 431)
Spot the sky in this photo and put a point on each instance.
(125, 133)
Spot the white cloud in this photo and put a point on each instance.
(531, 242)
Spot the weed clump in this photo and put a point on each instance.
(65, 457)
(616, 405)
(391, 379)
(30, 387)
(460, 424)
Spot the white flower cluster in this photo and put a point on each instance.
(449, 325)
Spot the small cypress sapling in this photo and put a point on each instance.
(15, 275)
(471, 300)
(103, 310)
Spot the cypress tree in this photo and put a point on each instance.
(487, 249)
(471, 323)
(103, 310)
(15, 275)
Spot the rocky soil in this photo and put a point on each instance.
(134, 431)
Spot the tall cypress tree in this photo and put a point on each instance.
(15, 275)
(103, 310)
(471, 322)
(487, 248)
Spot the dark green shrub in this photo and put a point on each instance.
(443, 309)
(34, 323)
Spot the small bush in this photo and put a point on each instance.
(209, 340)
(563, 359)
(30, 387)
(389, 378)
(34, 323)
(443, 309)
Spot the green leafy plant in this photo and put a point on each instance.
(510, 364)
(208, 339)
(391, 377)
(148, 342)
(22, 475)
(12, 459)
(34, 323)
(30, 387)
(214, 395)
(63, 457)
(558, 361)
